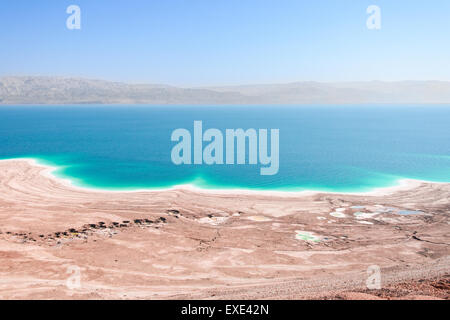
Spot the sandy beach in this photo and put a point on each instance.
(185, 243)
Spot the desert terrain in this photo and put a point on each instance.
(189, 244)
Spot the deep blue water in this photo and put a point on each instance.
(332, 148)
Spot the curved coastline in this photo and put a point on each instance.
(52, 171)
(260, 230)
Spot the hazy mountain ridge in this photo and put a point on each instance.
(60, 90)
(349, 92)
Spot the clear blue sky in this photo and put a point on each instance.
(212, 42)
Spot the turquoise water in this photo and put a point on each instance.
(328, 148)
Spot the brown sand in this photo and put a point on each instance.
(187, 244)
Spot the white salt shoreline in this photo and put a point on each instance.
(49, 172)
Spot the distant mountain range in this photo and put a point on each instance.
(60, 90)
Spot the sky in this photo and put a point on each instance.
(227, 42)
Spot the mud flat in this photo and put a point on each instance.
(185, 243)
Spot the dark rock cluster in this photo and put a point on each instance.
(100, 228)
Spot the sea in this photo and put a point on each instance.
(333, 148)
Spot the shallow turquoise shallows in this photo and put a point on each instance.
(327, 148)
